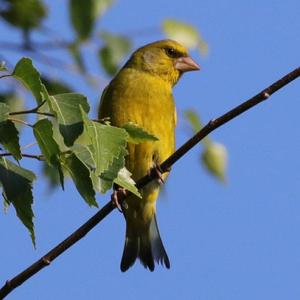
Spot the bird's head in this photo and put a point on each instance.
(167, 59)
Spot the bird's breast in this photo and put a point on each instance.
(147, 101)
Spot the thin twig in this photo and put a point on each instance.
(45, 59)
(35, 156)
(165, 166)
(32, 111)
(44, 114)
(5, 75)
(28, 146)
(51, 45)
(48, 45)
(53, 62)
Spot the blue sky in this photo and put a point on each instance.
(234, 241)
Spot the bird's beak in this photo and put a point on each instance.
(186, 64)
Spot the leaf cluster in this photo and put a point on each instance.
(92, 153)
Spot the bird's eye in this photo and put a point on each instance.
(171, 52)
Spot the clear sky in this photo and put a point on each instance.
(226, 242)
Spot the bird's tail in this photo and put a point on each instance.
(145, 245)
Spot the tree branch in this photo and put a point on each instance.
(165, 166)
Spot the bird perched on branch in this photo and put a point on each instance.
(142, 93)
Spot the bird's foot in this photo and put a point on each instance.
(156, 172)
(117, 197)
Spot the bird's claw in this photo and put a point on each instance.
(156, 172)
(117, 198)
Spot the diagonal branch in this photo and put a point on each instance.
(165, 166)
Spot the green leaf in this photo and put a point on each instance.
(185, 34)
(58, 137)
(108, 176)
(17, 187)
(14, 101)
(105, 157)
(196, 124)
(44, 135)
(194, 120)
(113, 52)
(101, 6)
(3, 66)
(84, 15)
(124, 179)
(26, 73)
(4, 111)
(66, 108)
(138, 134)
(9, 138)
(51, 175)
(24, 14)
(55, 87)
(74, 49)
(86, 155)
(117, 173)
(108, 142)
(80, 176)
(214, 157)
(6, 203)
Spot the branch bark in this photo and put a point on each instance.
(44, 261)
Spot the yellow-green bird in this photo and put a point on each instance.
(141, 93)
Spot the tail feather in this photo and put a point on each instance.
(130, 253)
(145, 253)
(159, 253)
(147, 246)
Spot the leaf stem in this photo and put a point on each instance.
(165, 167)
(20, 122)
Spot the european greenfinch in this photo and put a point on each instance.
(141, 93)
